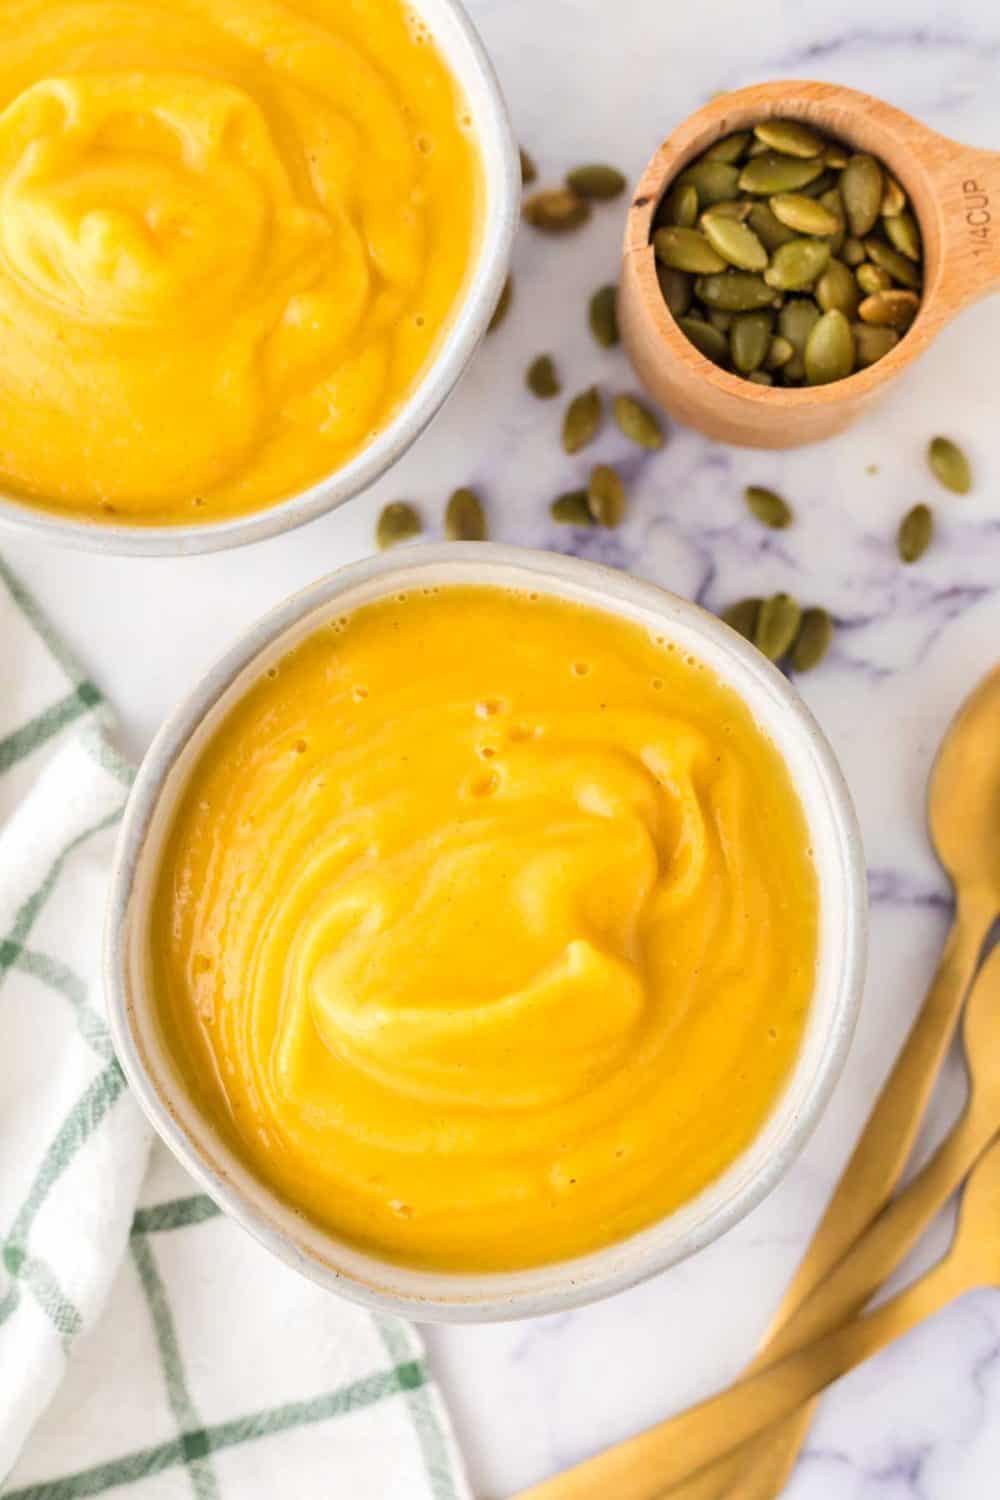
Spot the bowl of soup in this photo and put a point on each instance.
(487, 931)
(246, 253)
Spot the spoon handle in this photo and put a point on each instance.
(645, 1468)
(758, 1469)
(960, 202)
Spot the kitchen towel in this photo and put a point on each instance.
(148, 1347)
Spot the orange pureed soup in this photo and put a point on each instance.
(486, 928)
(232, 235)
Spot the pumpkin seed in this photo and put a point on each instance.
(779, 353)
(813, 640)
(397, 522)
(749, 339)
(760, 377)
(464, 520)
(723, 321)
(829, 353)
(541, 378)
(834, 204)
(706, 339)
(503, 303)
(603, 316)
(734, 242)
(893, 199)
(571, 509)
(735, 291)
(606, 496)
(790, 138)
(825, 183)
(778, 621)
(902, 233)
(861, 187)
(729, 208)
(836, 156)
(773, 173)
(794, 373)
(871, 343)
(596, 181)
(680, 206)
(742, 617)
(529, 171)
(891, 309)
(949, 465)
(769, 230)
(714, 180)
(872, 278)
(853, 251)
(796, 321)
(676, 288)
(637, 422)
(900, 268)
(686, 250)
(730, 148)
(797, 264)
(915, 532)
(838, 288)
(804, 214)
(768, 506)
(582, 420)
(555, 210)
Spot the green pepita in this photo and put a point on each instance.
(597, 181)
(777, 625)
(735, 291)
(902, 233)
(637, 422)
(760, 377)
(687, 250)
(679, 207)
(571, 509)
(813, 640)
(606, 496)
(541, 378)
(872, 278)
(915, 532)
(774, 173)
(503, 304)
(779, 352)
(893, 199)
(714, 180)
(730, 148)
(829, 353)
(790, 138)
(397, 523)
(796, 321)
(949, 465)
(769, 230)
(729, 208)
(735, 242)
(861, 187)
(872, 344)
(602, 315)
(742, 617)
(464, 519)
(706, 339)
(677, 289)
(749, 340)
(900, 267)
(555, 210)
(582, 420)
(721, 320)
(890, 309)
(768, 506)
(838, 288)
(853, 251)
(797, 265)
(803, 214)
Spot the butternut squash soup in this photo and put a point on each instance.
(231, 235)
(486, 928)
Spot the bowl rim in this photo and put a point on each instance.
(386, 1286)
(467, 325)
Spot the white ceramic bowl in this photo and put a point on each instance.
(462, 49)
(463, 1297)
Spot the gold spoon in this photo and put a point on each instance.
(691, 1439)
(964, 816)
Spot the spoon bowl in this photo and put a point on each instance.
(950, 187)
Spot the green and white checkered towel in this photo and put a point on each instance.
(148, 1347)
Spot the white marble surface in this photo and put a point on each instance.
(585, 79)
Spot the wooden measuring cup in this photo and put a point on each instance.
(954, 191)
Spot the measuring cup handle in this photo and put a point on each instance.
(964, 185)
